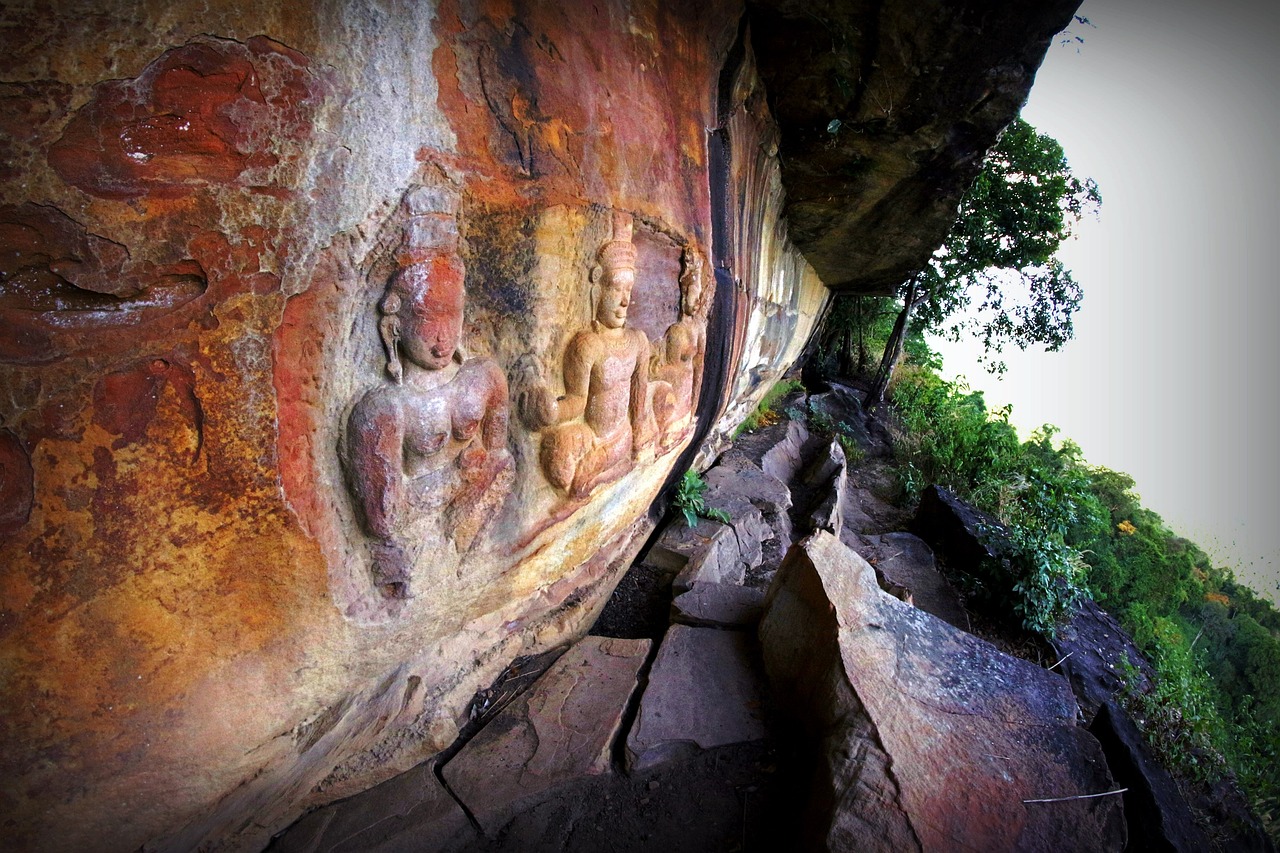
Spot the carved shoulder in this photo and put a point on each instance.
(637, 339)
(482, 371)
(375, 408)
(584, 347)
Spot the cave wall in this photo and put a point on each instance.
(311, 419)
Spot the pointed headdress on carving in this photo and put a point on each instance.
(619, 252)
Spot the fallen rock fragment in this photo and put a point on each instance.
(413, 805)
(705, 690)
(705, 553)
(718, 605)
(559, 731)
(739, 475)
(958, 736)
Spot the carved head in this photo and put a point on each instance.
(422, 314)
(616, 274)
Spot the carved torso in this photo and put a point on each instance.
(613, 358)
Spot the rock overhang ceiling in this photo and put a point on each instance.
(885, 110)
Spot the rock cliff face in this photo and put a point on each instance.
(343, 348)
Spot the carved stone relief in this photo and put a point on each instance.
(678, 357)
(430, 444)
(594, 432)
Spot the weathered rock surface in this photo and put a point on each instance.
(409, 811)
(718, 605)
(906, 561)
(704, 691)
(827, 474)
(559, 731)
(1093, 648)
(708, 552)
(970, 734)
(736, 474)
(964, 536)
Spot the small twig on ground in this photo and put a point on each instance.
(1077, 797)
(1067, 655)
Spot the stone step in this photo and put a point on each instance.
(717, 605)
(705, 690)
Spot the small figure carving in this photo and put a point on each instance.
(678, 358)
(435, 441)
(594, 433)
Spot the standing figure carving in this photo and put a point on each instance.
(594, 432)
(678, 358)
(432, 443)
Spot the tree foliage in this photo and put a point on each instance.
(997, 274)
(1215, 644)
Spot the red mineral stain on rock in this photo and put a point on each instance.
(17, 483)
(125, 401)
(202, 114)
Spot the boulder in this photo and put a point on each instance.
(785, 458)
(561, 730)
(974, 738)
(705, 690)
(735, 474)
(718, 605)
(1092, 648)
(963, 535)
(746, 517)
(708, 552)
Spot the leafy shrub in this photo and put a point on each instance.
(691, 501)
(1037, 491)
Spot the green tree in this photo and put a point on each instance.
(996, 274)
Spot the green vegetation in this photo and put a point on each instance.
(1077, 529)
(691, 501)
(822, 423)
(765, 413)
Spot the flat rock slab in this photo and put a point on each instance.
(907, 561)
(705, 690)
(413, 806)
(558, 732)
(718, 605)
(970, 734)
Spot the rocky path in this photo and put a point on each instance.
(660, 732)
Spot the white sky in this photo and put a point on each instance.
(1173, 109)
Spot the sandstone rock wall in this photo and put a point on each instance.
(343, 347)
